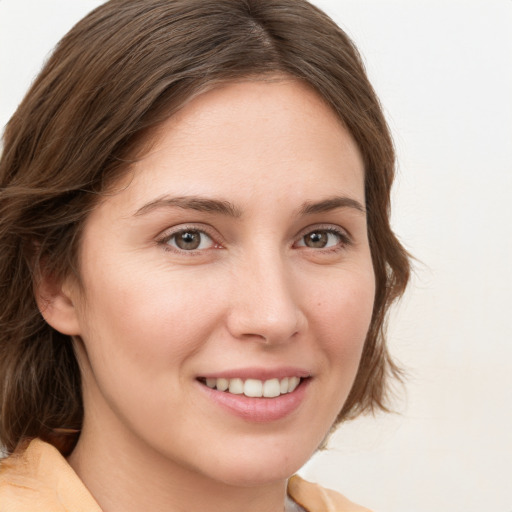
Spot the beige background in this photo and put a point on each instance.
(443, 70)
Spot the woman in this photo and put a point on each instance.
(196, 260)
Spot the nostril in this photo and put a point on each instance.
(268, 330)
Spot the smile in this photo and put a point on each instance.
(254, 388)
(257, 400)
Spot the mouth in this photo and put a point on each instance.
(254, 388)
(275, 395)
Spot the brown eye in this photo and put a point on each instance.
(316, 239)
(190, 240)
(323, 239)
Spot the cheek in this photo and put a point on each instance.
(342, 316)
(144, 321)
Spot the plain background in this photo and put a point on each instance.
(443, 70)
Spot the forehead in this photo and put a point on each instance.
(272, 138)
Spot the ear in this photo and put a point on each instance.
(57, 302)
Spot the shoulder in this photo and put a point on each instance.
(39, 479)
(315, 498)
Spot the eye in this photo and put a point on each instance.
(323, 239)
(189, 240)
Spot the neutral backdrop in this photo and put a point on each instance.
(443, 70)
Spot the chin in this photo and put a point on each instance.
(264, 464)
(250, 475)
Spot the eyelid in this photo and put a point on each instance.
(345, 237)
(166, 235)
(218, 241)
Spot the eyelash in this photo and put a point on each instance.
(344, 239)
(169, 235)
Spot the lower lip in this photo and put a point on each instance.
(259, 410)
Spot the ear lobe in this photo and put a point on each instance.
(57, 304)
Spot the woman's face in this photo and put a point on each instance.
(235, 253)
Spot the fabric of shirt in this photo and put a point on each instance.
(39, 479)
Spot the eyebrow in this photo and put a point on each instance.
(200, 204)
(209, 205)
(332, 203)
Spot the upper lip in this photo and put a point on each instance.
(258, 373)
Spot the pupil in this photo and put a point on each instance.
(188, 240)
(317, 239)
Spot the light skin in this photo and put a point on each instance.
(237, 244)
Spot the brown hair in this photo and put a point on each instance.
(124, 68)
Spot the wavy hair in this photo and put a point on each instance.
(122, 70)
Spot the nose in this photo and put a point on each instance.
(264, 304)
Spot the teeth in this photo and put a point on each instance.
(222, 384)
(293, 382)
(255, 388)
(271, 388)
(236, 386)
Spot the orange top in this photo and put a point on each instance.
(39, 479)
